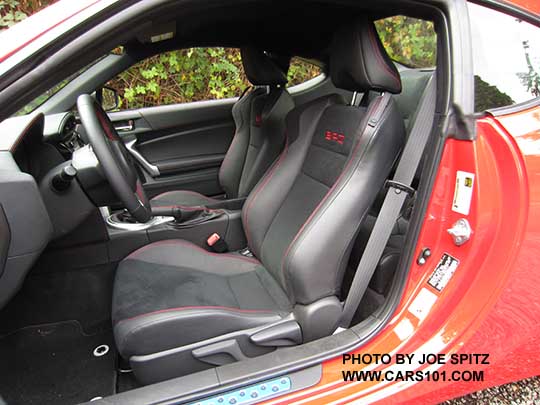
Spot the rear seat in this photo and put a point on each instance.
(414, 83)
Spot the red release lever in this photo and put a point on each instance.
(213, 239)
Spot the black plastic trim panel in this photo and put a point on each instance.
(171, 166)
(189, 387)
(5, 239)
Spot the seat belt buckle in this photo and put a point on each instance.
(399, 187)
(217, 244)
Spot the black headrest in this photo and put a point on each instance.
(261, 69)
(359, 62)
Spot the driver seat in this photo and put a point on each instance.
(178, 308)
(259, 117)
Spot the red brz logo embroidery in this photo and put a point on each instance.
(335, 136)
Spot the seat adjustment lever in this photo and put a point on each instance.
(287, 333)
(220, 353)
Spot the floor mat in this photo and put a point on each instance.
(55, 364)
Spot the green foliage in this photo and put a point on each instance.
(13, 11)
(531, 79)
(300, 72)
(191, 75)
(180, 76)
(409, 41)
(10, 13)
(488, 96)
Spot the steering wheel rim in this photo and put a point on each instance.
(114, 158)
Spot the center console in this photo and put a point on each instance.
(194, 224)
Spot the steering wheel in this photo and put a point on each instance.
(114, 157)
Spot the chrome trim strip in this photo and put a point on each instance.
(150, 168)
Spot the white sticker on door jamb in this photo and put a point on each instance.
(463, 192)
(422, 304)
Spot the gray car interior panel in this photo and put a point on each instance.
(183, 390)
(16, 128)
(228, 225)
(202, 181)
(68, 208)
(5, 239)
(55, 124)
(28, 221)
(202, 141)
(186, 142)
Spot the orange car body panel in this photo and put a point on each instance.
(492, 303)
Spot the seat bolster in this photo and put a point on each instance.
(181, 197)
(269, 138)
(162, 330)
(233, 164)
(316, 258)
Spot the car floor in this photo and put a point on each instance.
(55, 364)
(49, 331)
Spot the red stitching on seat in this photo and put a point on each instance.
(263, 184)
(193, 246)
(198, 307)
(227, 157)
(355, 151)
(380, 57)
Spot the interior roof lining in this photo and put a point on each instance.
(304, 29)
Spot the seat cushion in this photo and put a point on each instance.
(181, 197)
(172, 293)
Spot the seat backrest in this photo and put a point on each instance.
(302, 217)
(259, 117)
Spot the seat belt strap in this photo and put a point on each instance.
(398, 190)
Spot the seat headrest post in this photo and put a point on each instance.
(359, 62)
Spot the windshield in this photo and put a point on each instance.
(42, 98)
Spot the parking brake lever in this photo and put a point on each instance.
(171, 211)
(180, 214)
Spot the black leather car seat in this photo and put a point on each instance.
(414, 84)
(178, 308)
(259, 117)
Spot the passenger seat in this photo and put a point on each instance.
(260, 132)
(414, 82)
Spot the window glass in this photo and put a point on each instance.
(409, 41)
(506, 57)
(42, 98)
(301, 71)
(181, 76)
(193, 74)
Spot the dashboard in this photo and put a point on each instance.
(33, 151)
(61, 130)
(26, 226)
